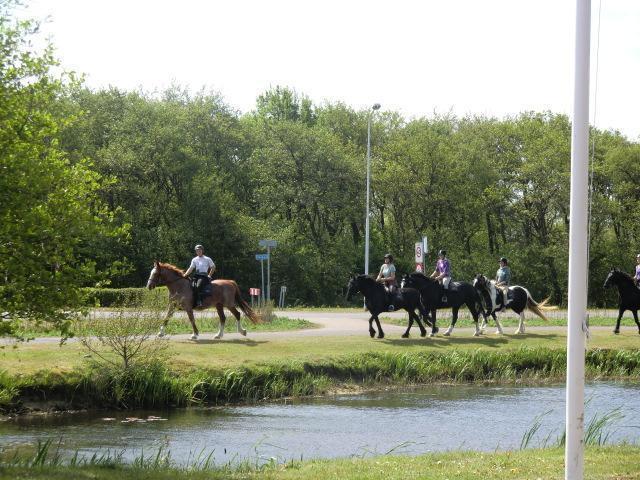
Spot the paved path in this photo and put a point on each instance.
(344, 323)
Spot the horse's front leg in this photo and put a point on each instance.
(484, 321)
(499, 331)
(434, 329)
(380, 332)
(620, 313)
(521, 328)
(454, 319)
(170, 310)
(194, 335)
(476, 315)
(372, 332)
(223, 319)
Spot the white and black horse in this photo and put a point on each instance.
(431, 295)
(629, 295)
(377, 300)
(518, 299)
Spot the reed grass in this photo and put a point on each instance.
(156, 385)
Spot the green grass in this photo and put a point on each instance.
(601, 463)
(181, 325)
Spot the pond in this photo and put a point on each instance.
(426, 419)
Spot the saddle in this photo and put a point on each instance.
(202, 288)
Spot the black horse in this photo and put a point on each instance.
(629, 295)
(518, 299)
(431, 294)
(377, 300)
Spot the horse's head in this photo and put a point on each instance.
(480, 281)
(353, 287)
(617, 277)
(154, 276)
(404, 281)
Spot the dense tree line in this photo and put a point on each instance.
(98, 184)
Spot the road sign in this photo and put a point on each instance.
(419, 252)
(419, 268)
(262, 256)
(254, 292)
(268, 243)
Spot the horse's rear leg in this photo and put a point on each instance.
(372, 332)
(223, 319)
(635, 317)
(423, 330)
(406, 333)
(170, 311)
(236, 314)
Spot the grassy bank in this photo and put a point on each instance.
(159, 385)
(611, 462)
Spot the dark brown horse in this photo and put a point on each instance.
(225, 294)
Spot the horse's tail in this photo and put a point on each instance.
(539, 308)
(246, 309)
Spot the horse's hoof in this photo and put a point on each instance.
(194, 337)
(160, 334)
(243, 333)
(381, 335)
(447, 334)
(431, 334)
(423, 334)
(476, 334)
(217, 337)
(519, 332)
(617, 332)
(405, 335)
(498, 332)
(372, 334)
(436, 330)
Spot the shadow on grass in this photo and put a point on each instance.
(236, 341)
(493, 341)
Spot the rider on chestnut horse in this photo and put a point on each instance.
(204, 268)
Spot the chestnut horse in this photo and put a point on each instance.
(225, 294)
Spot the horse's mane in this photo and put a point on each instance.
(624, 275)
(421, 276)
(366, 278)
(171, 267)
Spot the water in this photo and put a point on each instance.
(432, 419)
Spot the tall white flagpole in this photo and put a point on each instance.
(578, 238)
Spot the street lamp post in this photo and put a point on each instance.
(375, 107)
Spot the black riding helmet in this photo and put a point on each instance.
(389, 256)
(504, 259)
(442, 252)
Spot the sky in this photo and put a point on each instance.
(420, 58)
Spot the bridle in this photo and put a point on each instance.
(161, 282)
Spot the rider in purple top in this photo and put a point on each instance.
(636, 279)
(442, 273)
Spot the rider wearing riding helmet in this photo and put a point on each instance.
(503, 280)
(204, 268)
(387, 275)
(636, 279)
(503, 275)
(442, 273)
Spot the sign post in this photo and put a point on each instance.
(268, 244)
(419, 257)
(261, 257)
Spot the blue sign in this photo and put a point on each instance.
(262, 256)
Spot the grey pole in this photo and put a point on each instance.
(375, 106)
(262, 273)
(268, 272)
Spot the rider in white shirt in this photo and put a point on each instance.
(203, 267)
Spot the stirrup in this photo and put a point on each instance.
(391, 308)
(444, 299)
